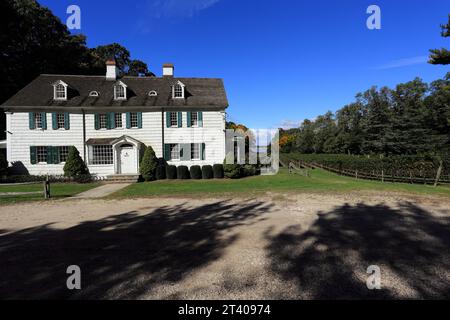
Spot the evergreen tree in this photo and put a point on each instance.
(149, 163)
(441, 56)
(75, 166)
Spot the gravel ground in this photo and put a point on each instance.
(299, 246)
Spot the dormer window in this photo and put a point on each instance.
(60, 90)
(93, 94)
(120, 91)
(178, 90)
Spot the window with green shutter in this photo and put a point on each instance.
(200, 119)
(66, 121)
(33, 154)
(31, 121)
(180, 119)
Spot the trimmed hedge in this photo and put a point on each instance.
(3, 165)
(218, 171)
(249, 170)
(207, 172)
(171, 172)
(183, 172)
(196, 172)
(161, 169)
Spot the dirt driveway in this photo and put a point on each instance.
(291, 247)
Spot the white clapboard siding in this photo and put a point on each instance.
(21, 138)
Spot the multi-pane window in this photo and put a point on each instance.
(118, 120)
(178, 91)
(119, 92)
(60, 120)
(63, 153)
(60, 92)
(173, 119)
(41, 154)
(102, 154)
(194, 119)
(175, 151)
(38, 120)
(134, 119)
(195, 151)
(102, 120)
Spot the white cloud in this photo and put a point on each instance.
(178, 8)
(404, 62)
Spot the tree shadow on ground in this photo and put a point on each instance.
(330, 259)
(120, 256)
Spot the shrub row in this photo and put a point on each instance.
(171, 172)
(400, 166)
(236, 171)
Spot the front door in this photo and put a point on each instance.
(127, 160)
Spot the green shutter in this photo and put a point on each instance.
(200, 119)
(188, 117)
(128, 120)
(56, 157)
(31, 121)
(139, 119)
(168, 119)
(167, 155)
(66, 121)
(33, 159)
(97, 121)
(202, 151)
(111, 124)
(49, 155)
(54, 120)
(44, 120)
(180, 119)
(185, 151)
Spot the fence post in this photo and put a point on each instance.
(356, 174)
(438, 174)
(47, 188)
(382, 175)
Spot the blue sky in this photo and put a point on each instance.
(282, 60)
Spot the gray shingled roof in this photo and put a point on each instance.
(206, 93)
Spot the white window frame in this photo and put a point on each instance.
(123, 87)
(181, 86)
(198, 145)
(59, 123)
(118, 121)
(66, 152)
(41, 151)
(38, 120)
(105, 156)
(100, 116)
(173, 119)
(57, 86)
(174, 150)
(134, 122)
(194, 125)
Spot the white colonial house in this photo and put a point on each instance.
(110, 120)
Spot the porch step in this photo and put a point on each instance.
(122, 178)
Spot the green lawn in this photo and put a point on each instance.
(58, 191)
(319, 181)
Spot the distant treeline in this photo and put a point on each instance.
(413, 118)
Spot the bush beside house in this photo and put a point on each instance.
(161, 169)
(196, 172)
(148, 166)
(183, 172)
(3, 165)
(207, 172)
(171, 172)
(218, 171)
(75, 166)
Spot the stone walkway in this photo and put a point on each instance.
(100, 192)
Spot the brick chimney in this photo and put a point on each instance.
(168, 69)
(111, 70)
